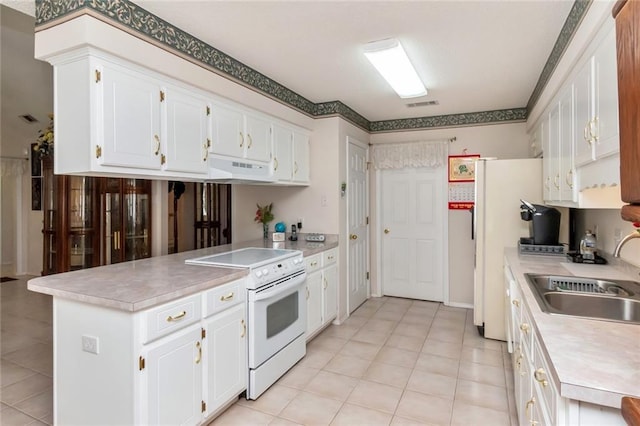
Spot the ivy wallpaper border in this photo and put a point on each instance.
(146, 25)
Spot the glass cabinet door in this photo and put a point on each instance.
(126, 220)
(81, 222)
(137, 219)
(50, 209)
(112, 222)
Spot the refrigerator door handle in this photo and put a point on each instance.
(473, 231)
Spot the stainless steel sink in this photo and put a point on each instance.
(611, 300)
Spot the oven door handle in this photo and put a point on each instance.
(297, 282)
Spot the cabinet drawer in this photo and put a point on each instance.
(313, 262)
(543, 381)
(329, 257)
(225, 296)
(170, 317)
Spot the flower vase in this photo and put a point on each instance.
(265, 231)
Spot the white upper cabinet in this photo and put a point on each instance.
(607, 138)
(282, 153)
(128, 122)
(258, 138)
(596, 85)
(116, 118)
(300, 157)
(228, 131)
(241, 134)
(581, 126)
(290, 155)
(187, 131)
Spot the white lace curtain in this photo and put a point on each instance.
(12, 167)
(432, 154)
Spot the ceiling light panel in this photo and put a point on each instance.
(392, 62)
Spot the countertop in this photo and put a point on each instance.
(593, 361)
(140, 284)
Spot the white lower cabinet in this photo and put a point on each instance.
(177, 363)
(226, 354)
(174, 385)
(322, 291)
(536, 389)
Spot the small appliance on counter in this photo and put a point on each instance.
(544, 229)
(588, 252)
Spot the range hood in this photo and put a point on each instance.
(234, 170)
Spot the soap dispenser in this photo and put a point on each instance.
(588, 246)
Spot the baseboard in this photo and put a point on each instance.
(459, 305)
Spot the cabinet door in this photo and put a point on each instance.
(187, 132)
(282, 153)
(567, 172)
(314, 302)
(554, 153)
(330, 293)
(226, 355)
(228, 132)
(606, 97)
(583, 86)
(129, 112)
(546, 151)
(258, 138)
(174, 386)
(628, 40)
(300, 157)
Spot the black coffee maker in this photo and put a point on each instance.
(544, 226)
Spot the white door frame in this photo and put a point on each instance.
(364, 146)
(445, 243)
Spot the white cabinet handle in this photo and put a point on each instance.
(241, 140)
(244, 328)
(275, 164)
(226, 297)
(250, 141)
(516, 303)
(530, 403)
(524, 327)
(199, 355)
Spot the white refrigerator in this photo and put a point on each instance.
(499, 186)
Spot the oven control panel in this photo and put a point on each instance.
(268, 273)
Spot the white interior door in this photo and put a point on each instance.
(357, 190)
(413, 236)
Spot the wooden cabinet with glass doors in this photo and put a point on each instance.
(90, 221)
(71, 222)
(126, 219)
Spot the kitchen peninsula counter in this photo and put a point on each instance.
(140, 284)
(593, 361)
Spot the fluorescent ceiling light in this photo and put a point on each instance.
(392, 62)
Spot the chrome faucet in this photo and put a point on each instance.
(631, 236)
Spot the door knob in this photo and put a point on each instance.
(386, 230)
(353, 236)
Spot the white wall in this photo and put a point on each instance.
(502, 141)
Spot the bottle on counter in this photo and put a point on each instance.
(588, 245)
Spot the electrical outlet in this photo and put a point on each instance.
(90, 344)
(300, 220)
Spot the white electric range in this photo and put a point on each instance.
(276, 310)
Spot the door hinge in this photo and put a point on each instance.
(98, 76)
(203, 406)
(208, 110)
(141, 363)
(367, 274)
(161, 96)
(208, 143)
(98, 151)
(367, 221)
(163, 159)
(203, 334)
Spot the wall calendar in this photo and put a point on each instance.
(462, 175)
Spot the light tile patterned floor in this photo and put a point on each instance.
(393, 362)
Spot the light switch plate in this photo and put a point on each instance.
(90, 344)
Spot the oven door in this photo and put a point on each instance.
(277, 314)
